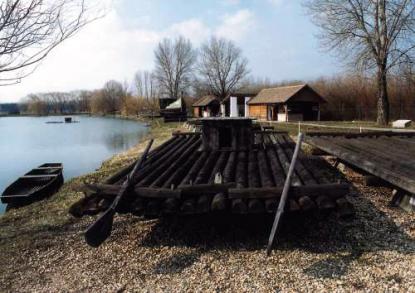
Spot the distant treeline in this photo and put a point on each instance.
(113, 98)
(349, 96)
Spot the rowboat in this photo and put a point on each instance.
(35, 185)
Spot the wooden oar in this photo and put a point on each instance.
(284, 195)
(100, 230)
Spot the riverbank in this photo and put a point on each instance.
(42, 247)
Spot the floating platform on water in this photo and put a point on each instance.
(66, 120)
(35, 185)
(229, 166)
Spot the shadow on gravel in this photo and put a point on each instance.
(370, 230)
(176, 263)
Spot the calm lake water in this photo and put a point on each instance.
(26, 142)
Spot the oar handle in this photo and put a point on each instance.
(130, 177)
(284, 194)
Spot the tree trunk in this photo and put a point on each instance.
(382, 97)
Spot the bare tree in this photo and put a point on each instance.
(145, 85)
(377, 35)
(221, 66)
(174, 66)
(30, 29)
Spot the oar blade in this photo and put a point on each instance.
(100, 230)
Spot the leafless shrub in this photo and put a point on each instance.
(30, 29)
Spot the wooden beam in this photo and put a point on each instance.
(332, 190)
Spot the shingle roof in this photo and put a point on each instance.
(205, 101)
(278, 94)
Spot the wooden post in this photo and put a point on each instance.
(284, 194)
(286, 113)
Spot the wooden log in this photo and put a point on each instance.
(176, 164)
(185, 133)
(112, 179)
(109, 191)
(332, 190)
(219, 203)
(256, 206)
(170, 206)
(285, 163)
(137, 207)
(162, 166)
(371, 180)
(229, 171)
(239, 206)
(293, 206)
(344, 208)
(302, 172)
(267, 139)
(203, 204)
(188, 206)
(191, 175)
(264, 170)
(181, 172)
(148, 192)
(321, 169)
(159, 157)
(325, 203)
(204, 173)
(253, 178)
(207, 189)
(152, 208)
(306, 203)
(276, 170)
(271, 205)
(240, 176)
(218, 168)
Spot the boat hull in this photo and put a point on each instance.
(38, 184)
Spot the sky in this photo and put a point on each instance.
(276, 36)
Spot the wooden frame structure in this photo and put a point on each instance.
(389, 156)
(190, 175)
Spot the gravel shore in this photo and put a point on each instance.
(42, 249)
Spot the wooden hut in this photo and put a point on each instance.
(178, 110)
(207, 106)
(288, 103)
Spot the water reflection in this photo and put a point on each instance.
(26, 142)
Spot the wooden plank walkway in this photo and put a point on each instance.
(389, 156)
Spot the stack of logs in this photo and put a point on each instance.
(180, 177)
